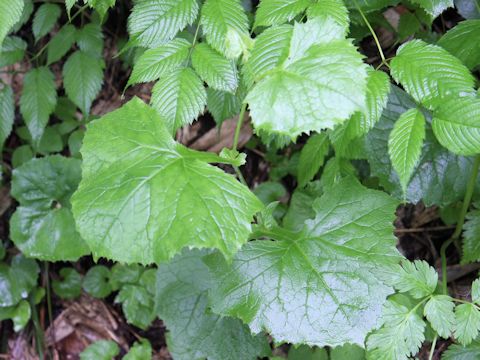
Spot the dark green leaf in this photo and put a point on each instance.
(70, 287)
(96, 282)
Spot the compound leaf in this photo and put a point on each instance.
(159, 188)
(12, 50)
(223, 105)
(277, 285)
(83, 79)
(43, 225)
(417, 278)
(38, 100)
(61, 43)
(334, 8)
(405, 144)
(44, 19)
(10, 14)
(459, 352)
(90, 39)
(439, 312)
(153, 23)
(467, 325)
(471, 238)
(275, 12)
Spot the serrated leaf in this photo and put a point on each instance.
(467, 325)
(153, 23)
(70, 287)
(275, 12)
(301, 205)
(121, 274)
(334, 8)
(179, 98)
(60, 43)
(100, 350)
(101, 6)
(456, 124)
(417, 278)
(225, 26)
(459, 352)
(82, 79)
(162, 186)
(38, 100)
(139, 351)
(10, 13)
(69, 5)
(312, 157)
(347, 351)
(277, 285)
(155, 63)
(439, 312)
(7, 113)
(223, 105)
(17, 280)
(43, 225)
(429, 73)
(12, 50)
(304, 352)
(434, 7)
(309, 91)
(370, 5)
(405, 144)
(194, 331)
(218, 72)
(476, 291)
(137, 305)
(461, 41)
(96, 281)
(471, 239)
(44, 19)
(90, 40)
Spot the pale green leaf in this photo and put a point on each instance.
(90, 40)
(179, 98)
(60, 43)
(139, 351)
(434, 7)
(38, 100)
(275, 12)
(155, 63)
(347, 351)
(44, 19)
(405, 144)
(194, 331)
(26, 13)
(17, 280)
(304, 352)
(471, 237)
(10, 13)
(334, 261)
(459, 352)
(43, 225)
(7, 113)
(218, 72)
(223, 105)
(69, 5)
(153, 23)
(96, 281)
(82, 79)
(12, 50)
(70, 287)
(334, 8)
(312, 157)
(462, 41)
(467, 325)
(456, 124)
(439, 312)
(429, 73)
(476, 291)
(417, 278)
(312, 90)
(101, 6)
(100, 350)
(167, 197)
(468, 9)
(225, 26)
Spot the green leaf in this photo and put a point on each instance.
(429, 73)
(100, 350)
(468, 9)
(408, 25)
(194, 331)
(218, 72)
(370, 5)
(417, 278)
(439, 312)
(476, 291)
(7, 113)
(21, 155)
(459, 352)
(304, 352)
(44, 19)
(69, 5)
(456, 124)
(301, 205)
(19, 314)
(137, 305)
(179, 98)
(167, 197)
(334, 8)
(405, 144)
(101, 6)
(43, 225)
(275, 12)
(17, 280)
(225, 26)
(96, 282)
(312, 157)
(461, 41)
(434, 7)
(10, 13)
(12, 50)
(153, 23)
(223, 105)
(38, 100)
(70, 287)
(60, 43)
(471, 239)
(309, 91)
(155, 63)
(82, 79)
(347, 351)
(140, 351)
(402, 334)
(467, 324)
(90, 40)
(122, 274)
(276, 286)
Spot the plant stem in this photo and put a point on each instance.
(460, 222)
(239, 126)
(38, 329)
(432, 349)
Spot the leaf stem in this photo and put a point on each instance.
(461, 220)
(38, 329)
(239, 126)
(432, 349)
